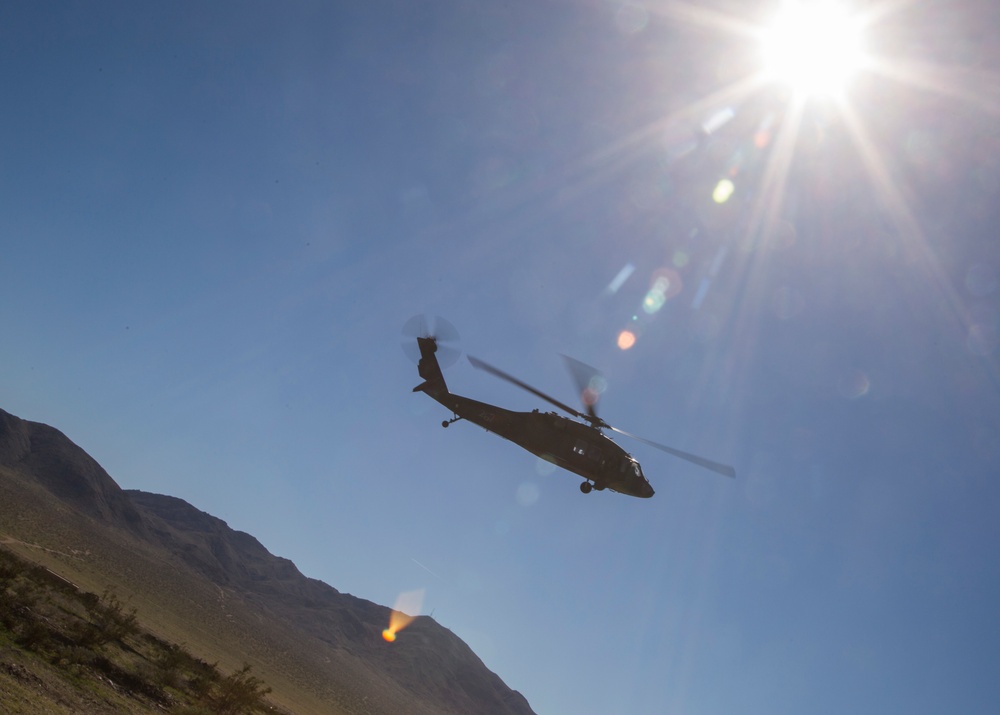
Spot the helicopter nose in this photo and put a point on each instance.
(647, 491)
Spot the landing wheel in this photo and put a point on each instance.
(445, 423)
(586, 487)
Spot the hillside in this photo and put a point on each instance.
(195, 582)
(64, 650)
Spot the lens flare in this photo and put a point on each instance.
(619, 280)
(598, 384)
(854, 384)
(666, 284)
(723, 191)
(527, 494)
(654, 301)
(593, 391)
(545, 465)
(408, 602)
(626, 339)
(718, 120)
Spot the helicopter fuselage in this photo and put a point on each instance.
(569, 444)
(577, 447)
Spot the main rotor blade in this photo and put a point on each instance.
(589, 382)
(723, 469)
(480, 365)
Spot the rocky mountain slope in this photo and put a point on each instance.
(195, 581)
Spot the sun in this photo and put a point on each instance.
(814, 48)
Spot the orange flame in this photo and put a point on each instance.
(399, 618)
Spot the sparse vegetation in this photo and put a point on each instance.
(94, 645)
(107, 620)
(241, 692)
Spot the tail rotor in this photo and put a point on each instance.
(443, 333)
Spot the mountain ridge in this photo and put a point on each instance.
(221, 588)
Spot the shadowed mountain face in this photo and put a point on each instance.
(191, 568)
(47, 456)
(207, 544)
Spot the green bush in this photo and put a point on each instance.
(240, 693)
(108, 620)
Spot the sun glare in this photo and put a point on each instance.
(814, 48)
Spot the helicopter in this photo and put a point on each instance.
(577, 445)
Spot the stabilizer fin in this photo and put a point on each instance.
(429, 369)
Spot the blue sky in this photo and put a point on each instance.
(215, 221)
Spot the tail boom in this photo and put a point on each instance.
(429, 369)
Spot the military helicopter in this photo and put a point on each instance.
(577, 446)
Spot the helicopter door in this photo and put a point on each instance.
(586, 449)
